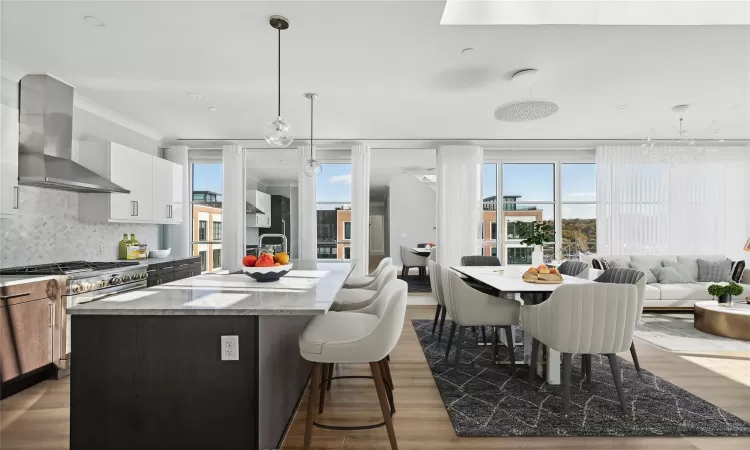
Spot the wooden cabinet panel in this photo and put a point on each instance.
(25, 337)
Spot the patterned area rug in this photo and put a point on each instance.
(675, 332)
(417, 284)
(483, 400)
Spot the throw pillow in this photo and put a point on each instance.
(643, 267)
(612, 264)
(682, 269)
(667, 275)
(714, 272)
(738, 268)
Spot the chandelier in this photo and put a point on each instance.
(682, 146)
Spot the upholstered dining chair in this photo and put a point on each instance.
(469, 307)
(436, 284)
(365, 336)
(353, 299)
(410, 259)
(363, 281)
(623, 275)
(480, 260)
(595, 318)
(572, 268)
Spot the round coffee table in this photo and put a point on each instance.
(734, 322)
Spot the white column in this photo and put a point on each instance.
(459, 208)
(177, 237)
(360, 242)
(308, 215)
(233, 205)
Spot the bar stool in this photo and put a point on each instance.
(352, 299)
(360, 282)
(366, 336)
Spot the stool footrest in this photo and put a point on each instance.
(352, 427)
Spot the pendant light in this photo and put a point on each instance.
(278, 133)
(312, 166)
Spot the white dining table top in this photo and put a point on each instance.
(490, 276)
(421, 250)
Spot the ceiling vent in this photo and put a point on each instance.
(525, 110)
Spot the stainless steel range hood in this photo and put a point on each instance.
(46, 139)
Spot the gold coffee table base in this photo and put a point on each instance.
(732, 322)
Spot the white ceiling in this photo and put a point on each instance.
(383, 70)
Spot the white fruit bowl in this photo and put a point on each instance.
(159, 253)
(264, 274)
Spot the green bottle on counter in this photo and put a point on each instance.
(133, 241)
(123, 247)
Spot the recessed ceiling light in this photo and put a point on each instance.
(467, 50)
(211, 108)
(194, 96)
(680, 108)
(525, 77)
(94, 21)
(735, 107)
(622, 106)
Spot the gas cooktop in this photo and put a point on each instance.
(66, 268)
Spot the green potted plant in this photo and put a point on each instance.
(725, 292)
(536, 234)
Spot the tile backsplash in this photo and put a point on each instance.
(46, 229)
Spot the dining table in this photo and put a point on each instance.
(508, 280)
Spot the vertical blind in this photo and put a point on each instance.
(671, 200)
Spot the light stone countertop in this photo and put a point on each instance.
(308, 289)
(12, 280)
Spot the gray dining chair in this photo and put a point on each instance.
(410, 259)
(572, 268)
(593, 318)
(436, 284)
(623, 275)
(468, 307)
(480, 260)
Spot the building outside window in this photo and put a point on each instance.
(347, 253)
(216, 263)
(333, 192)
(206, 187)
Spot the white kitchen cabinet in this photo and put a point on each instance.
(150, 180)
(262, 201)
(8, 161)
(167, 191)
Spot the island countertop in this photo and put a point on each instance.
(308, 289)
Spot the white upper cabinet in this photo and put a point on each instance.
(8, 161)
(262, 201)
(149, 179)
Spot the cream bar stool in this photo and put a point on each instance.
(353, 299)
(360, 282)
(596, 318)
(365, 336)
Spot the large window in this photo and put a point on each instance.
(334, 196)
(207, 180)
(578, 210)
(530, 192)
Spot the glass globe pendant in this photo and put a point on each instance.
(312, 167)
(278, 133)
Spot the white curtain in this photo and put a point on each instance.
(233, 208)
(360, 238)
(308, 218)
(672, 200)
(459, 202)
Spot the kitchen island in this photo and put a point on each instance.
(151, 368)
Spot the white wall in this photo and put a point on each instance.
(412, 214)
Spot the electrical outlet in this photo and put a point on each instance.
(230, 348)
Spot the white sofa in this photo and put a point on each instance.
(672, 295)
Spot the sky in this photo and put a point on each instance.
(533, 182)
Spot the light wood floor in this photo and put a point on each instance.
(38, 417)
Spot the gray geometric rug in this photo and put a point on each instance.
(675, 332)
(483, 400)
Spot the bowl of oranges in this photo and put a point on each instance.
(266, 266)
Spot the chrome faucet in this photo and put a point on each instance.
(283, 241)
